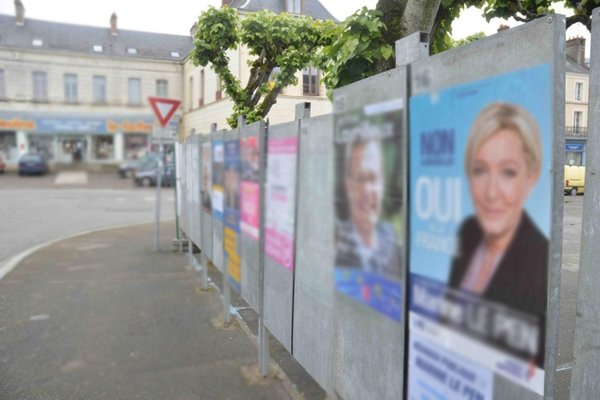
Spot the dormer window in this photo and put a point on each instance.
(131, 50)
(37, 42)
(98, 48)
(294, 6)
(175, 54)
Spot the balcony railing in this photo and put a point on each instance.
(576, 131)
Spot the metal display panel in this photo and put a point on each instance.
(279, 260)
(586, 365)
(231, 210)
(195, 188)
(252, 139)
(313, 338)
(491, 72)
(369, 361)
(206, 198)
(185, 218)
(217, 225)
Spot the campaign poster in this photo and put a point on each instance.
(218, 178)
(281, 200)
(206, 178)
(250, 187)
(369, 229)
(232, 211)
(480, 217)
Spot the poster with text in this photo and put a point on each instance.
(281, 200)
(480, 215)
(232, 211)
(250, 187)
(206, 178)
(369, 228)
(218, 178)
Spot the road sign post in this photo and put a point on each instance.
(164, 109)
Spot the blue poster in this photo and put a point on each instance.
(232, 212)
(218, 178)
(480, 179)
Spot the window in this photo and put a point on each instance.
(577, 119)
(219, 92)
(310, 81)
(162, 88)
(40, 86)
(37, 42)
(135, 92)
(294, 6)
(2, 85)
(131, 50)
(578, 91)
(191, 93)
(99, 89)
(70, 88)
(98, 48)
(175, 54)
(201, 101)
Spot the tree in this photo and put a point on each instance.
(281, 45)
(396, 19)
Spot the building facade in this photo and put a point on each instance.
(576, 102)
(78, 93)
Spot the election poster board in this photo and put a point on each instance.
(281, 199)
(232, 212)
(250, 187)
(206, 177)
(480, 218)
(218, 178)
(369, 230)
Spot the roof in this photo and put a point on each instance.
(311, 8)
(576, 68)
(57, 36)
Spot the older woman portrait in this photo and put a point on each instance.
(502, 255)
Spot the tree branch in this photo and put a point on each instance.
(584, 19)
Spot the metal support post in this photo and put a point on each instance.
(586, 365)
(158, 187)
(263, 334)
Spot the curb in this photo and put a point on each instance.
(12, 262)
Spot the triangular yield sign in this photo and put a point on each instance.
(163, 108)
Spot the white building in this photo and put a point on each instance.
(78, 92)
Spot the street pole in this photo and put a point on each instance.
(158, 187)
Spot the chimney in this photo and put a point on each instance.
(113, 24)
(193, 30)
(19, 13)
(226, 2)
(576, 50)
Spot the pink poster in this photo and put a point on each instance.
(250, 188)
(281, 198)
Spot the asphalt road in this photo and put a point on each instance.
(35, 210)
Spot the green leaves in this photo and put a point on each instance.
(274, 40)
(352, 48)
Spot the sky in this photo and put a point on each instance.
(177, 16)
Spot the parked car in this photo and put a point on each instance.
(148, 176)
(2, 166)
(31, 163)
(574, 179)
(128, 168)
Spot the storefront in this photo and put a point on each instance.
(575, 152)
(66, 139)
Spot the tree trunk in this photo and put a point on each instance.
(403, 17)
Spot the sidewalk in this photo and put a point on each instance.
(102, 316)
